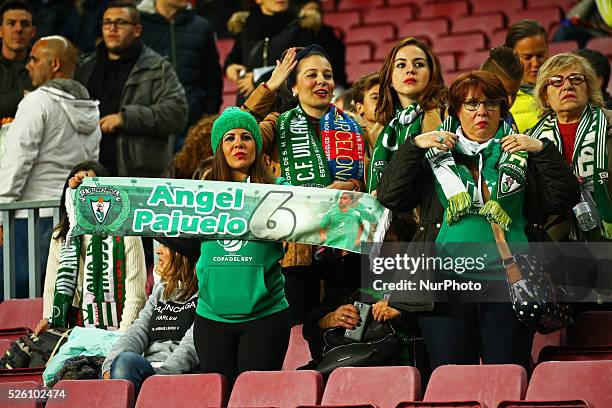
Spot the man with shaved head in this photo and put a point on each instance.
(55, 128)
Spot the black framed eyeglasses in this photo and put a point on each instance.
(559, 80)
(119, 23)
(489, 104)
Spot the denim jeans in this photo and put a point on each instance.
(133, 367)
(21, 255)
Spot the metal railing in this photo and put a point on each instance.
(8, 211)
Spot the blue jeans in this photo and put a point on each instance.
(21, 255)
(133, 367)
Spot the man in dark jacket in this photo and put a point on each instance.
(172, 28)
(142, 103)
(17, 31)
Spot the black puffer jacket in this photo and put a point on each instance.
(189, 44)
(408, 183)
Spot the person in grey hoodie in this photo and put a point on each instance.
(55, 127)
(160, 341)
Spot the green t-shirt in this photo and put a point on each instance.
(342, 227)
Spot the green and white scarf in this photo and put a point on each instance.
(453, 181)
(103, 290)
(590, 159)
(307, 161)
(405, 124)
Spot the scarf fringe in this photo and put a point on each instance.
(495, 213)
(379, 234)
(458, 206)
(606, 229)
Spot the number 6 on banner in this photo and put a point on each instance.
(270, 220)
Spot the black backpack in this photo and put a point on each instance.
(31, 350)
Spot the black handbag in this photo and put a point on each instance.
(380, 346)
(532, 291)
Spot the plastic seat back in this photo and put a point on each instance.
(489, 384)
(298, 353)
(94, 394)
(384, 387)
(21, 313)
(184, 390)
(21, 395)
(277, 389)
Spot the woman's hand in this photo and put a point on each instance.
(521, 143)
(106, 375)
(282, 70)
(346, 316)
(76, 180)
(342, 185)
(245, 84)
(383, 312)
(438, 138)
(42, 326)
(233, 71)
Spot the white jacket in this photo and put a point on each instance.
(55, 128)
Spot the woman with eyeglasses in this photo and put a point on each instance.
(575, 122)
(478, 172)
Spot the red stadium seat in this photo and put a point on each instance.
(359, 52)
(471, 60)
(22, 374)
(394, 15)
(94, 394)
(360, 4)
(354, 71)
(591, 329)
(453, 404)
(425, 27)
(375, 33)
(277, 389)
(229, 86)
(560, 381)
(14, 333)
(448, 61)
(542, 340)
(559, 47)
(453, 8)
(185, 391)
(21, 313)
(546, 16)
(601, 44)
(224, 46)
(229, 99)
(565, 4)
(298, 353)
(4, 345)
(10, 390)
(487, 6)
(480, 22)
(488, 384)
(575, 353)
(344, 20)
(460, 42)
(497, 38)
(380, 386)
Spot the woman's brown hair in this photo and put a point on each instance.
(258, 172)
(179, 269)
(486, 82)
(435, 94)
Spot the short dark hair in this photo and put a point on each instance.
(523, 29)
(599, 62)
(15, 5)
(483, 81)
(134, 13)
(363, 84)
(503, 60)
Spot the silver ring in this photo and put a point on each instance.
(342, 318)
(440, 139)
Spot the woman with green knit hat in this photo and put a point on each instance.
(484, 176)
(242, 321)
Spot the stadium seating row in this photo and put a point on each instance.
(553, 384)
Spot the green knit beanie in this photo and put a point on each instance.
(234, 118)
